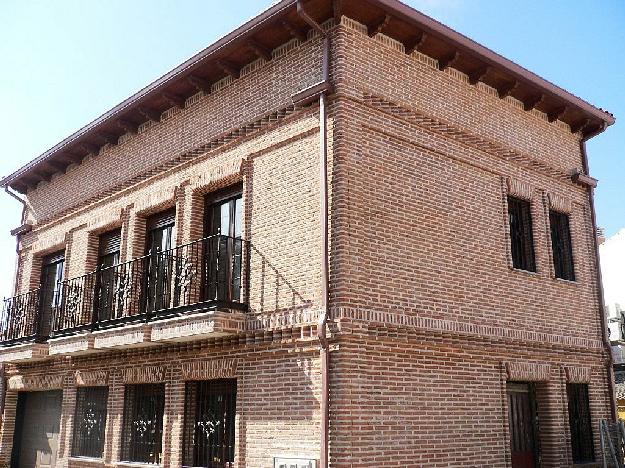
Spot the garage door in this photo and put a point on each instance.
(37, 430)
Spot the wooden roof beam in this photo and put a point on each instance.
(55, 166)
(507, 89)
(229, 68)
(301, 11)
(294, 31)
(89, 147)
(448, 60)
(337, 10)
(108, 137)
(479, 74)
(200, 84)
(416, 43)
(42, 174)
(260, 50)
(127, 125)
(174, 100)
(556, 113)
(533, 101)
(149, 113)
(378, 25)
(580, 125)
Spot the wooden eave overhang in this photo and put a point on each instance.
(279, 24)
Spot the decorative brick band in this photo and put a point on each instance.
(91, 378)
(577, 374)
(527, 372)
(284, 319)
(519, 189)
(145, 374)
(559, 203)
(462, 328)
(36, 382)
(213, 369)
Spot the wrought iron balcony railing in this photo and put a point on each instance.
(204, 274)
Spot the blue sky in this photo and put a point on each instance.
(66, 62)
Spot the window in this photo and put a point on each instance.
(158, 249)
(142, 433)
(108, 258)
(521, 237)
(51, 289)
(579, 421)
(209, 432)
(561, 246)
(223, 221)
(90, 422)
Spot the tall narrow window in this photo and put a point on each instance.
(108, 258)
(561, 246)
(51, 289)
(579, 421)
(90, 422)
(521, 237)
(142, 435)
(209, 424)
(223, 224)
(160, 258)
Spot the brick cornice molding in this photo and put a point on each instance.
(210, 369)
(91, 378)
(460, 135)
(576, 374)
(527, 371)
(143, 374)
(35, 382)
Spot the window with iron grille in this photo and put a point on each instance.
(142, 433)
(561, 246)
(579, 421)
(209, 423)
(90, 422)
(521, 237)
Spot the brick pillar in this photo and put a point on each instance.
(114, 419)
(136, 236)
(67, 421)
(552, 423)
(190, 211)
(8, 427)
(173, 419)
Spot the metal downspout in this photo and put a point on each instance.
(603, 319)
(324, 352)
(17, 238)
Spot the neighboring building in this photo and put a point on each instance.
(173, 306)
(612, 253)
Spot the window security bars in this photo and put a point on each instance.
(521, 236)
(582, 445)
(142, 433)
(209, 424)
(165, 283)
(561, 246)
(90, 422)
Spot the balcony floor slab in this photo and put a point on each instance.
(72, 345)
(128, 336)
(214, 324)
(28, 352)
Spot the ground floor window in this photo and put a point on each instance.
(142, 435)
(579, 421)
(209, 425)
(90, 422)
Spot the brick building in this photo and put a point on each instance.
(343, 230)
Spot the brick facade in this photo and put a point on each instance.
(428, 318)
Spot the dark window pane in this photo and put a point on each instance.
(521, 237)
(580, 424)
(51, 289)
(561, 246)
(160, 261)
(142, 435)
(90, 422)
(107, 277)
(209, 424)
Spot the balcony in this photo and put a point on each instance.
(195, 289)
